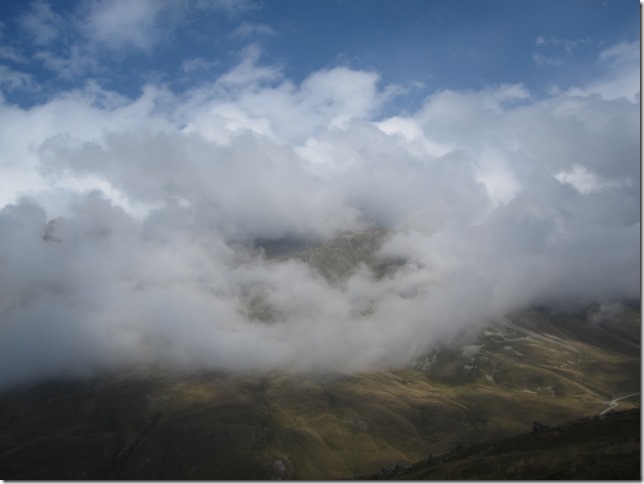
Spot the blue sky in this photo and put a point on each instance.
(142, 141)
(49, 47)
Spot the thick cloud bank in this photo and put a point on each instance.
(122, 219)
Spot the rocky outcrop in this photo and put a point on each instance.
(540, 427)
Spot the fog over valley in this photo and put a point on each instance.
(136, 231)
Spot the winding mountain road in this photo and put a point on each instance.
(613, 403)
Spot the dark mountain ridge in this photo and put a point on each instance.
(605, 447)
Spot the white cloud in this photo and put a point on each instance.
(12, 79)
(625, 54)
(247, 29)
(621, 79)
(143, 24)
(76, 62)
(582, 180)
(496, 173)
(230, 7)
(554, 51)
(340, 94)
(96, 33)
(248, 74)
(42, 23)
(410, 130)
(510, 92)
(12, 55)
(258, 98)
(196, 64)
(568, 45)
(474, 185)
(117, 24)
(541, 59)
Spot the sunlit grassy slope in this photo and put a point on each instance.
(534, 365)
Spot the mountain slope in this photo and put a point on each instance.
(596, 448)
(213, 426)
(539, 364)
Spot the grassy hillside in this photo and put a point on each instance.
(596, 448)
(335, 259)
(214, 426)
(535, 365)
